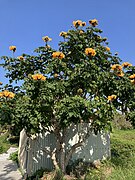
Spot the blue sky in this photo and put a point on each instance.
(24, 22)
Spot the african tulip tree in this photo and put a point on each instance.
(81, 82)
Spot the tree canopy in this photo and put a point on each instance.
(81, 82)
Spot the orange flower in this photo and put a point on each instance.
(7, 94)
(38, 77)
(126, 64)
(112, 97)
(63, 34)
(90, 51)
(20, 57)
(12, 48)
(1, 83)
(46, 39)
(107, 49)
(58, 55)
(116, 67)
(93, 22)
(79, 23)
(132, 76)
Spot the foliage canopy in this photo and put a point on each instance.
(81, 82)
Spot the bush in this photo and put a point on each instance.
(4, 144)
(120, 122)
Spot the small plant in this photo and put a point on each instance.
(78, 168)
(38, 175)
(4, 144)
(14, 157)
(1, 149)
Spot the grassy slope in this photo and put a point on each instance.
(123, 155)
(121, 166)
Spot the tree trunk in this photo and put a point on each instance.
(62, 158)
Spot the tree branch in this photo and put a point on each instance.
(53, 157)
(81, 140)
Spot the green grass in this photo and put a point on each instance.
(121, 166)
(5, 144)
(123, 155)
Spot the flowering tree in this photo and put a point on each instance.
(82, 82)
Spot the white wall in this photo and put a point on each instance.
(32, 157)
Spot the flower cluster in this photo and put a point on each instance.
(126, 64)
(58, 55)
(39, 77)
(46, 39)
(90, 52)
(7, 94)
(12, 48)
(79, 23)
(112, 97)
(93, 22)
(117, 67)
(63, 34)
(118, 70)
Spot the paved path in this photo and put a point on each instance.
(9, 169)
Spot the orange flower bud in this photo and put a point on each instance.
(107, 49)
(120, 74)
(56, 75)
(20, 57)
(132, 76)
(133, 81)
